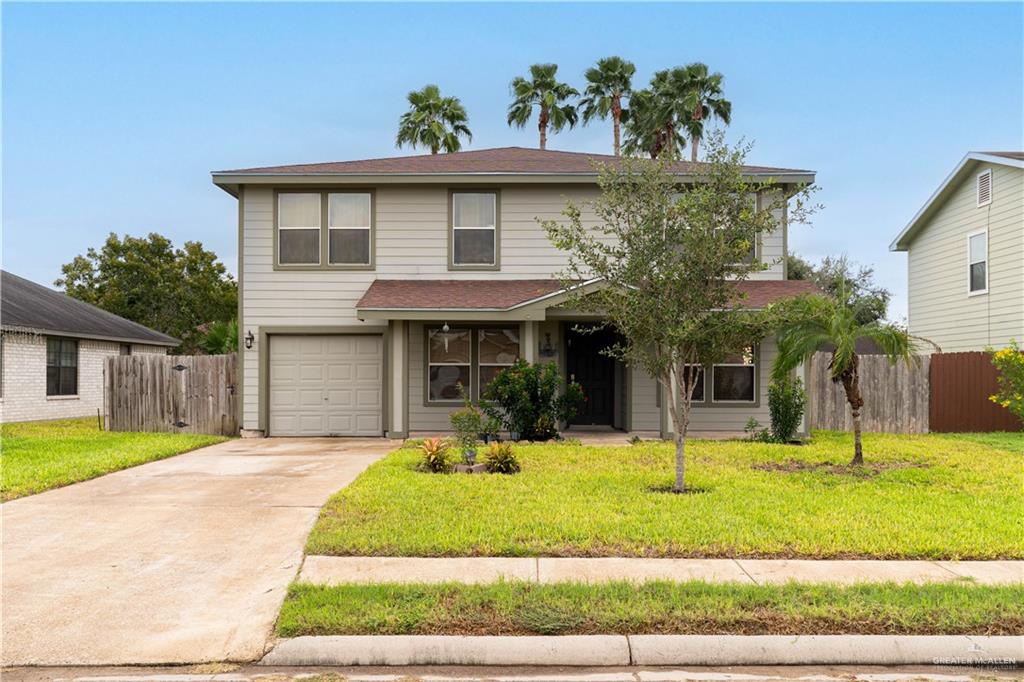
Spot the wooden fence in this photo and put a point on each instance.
(960, 386)
(896, 397)
(172, 393)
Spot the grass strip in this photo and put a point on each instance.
(522, 608)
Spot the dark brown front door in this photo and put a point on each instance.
(594, 372)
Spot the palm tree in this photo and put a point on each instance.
(658, 114)
(607, 84)
(433, 121)
(704, 95)
(814, 321)
(544, 91)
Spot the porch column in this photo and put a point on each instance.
(397, 380)
(530, 341)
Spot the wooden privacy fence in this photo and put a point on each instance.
(896, 397)
(172, 393)
(960, 386)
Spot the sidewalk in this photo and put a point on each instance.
(330, 570)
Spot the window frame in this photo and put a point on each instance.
(474, 358)
(977, 187)
(970, 236)
(479, 364)
(324, 242)
(371, 232)
(484, 267)
(62, 340)
(755, 353)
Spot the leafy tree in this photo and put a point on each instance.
(703, 92)
(147, 280)
(1009, 362)
(219, 337)
(668, 257)
(843, 280)
(813, 321)
(553, 100)
(607, 84)
(433, 121)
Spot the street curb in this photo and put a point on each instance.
(648, 650)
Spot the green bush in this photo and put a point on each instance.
(1009, 362)
(786, 402)
(500, 459)
(467, 423)
(526, 400)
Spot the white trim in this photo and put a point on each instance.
(971, 235)
(977, 187)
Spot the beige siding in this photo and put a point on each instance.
(939, 306)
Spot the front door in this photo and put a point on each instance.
(594, 372)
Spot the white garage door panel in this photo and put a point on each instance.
(326, 385)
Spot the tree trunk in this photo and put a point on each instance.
(433, 150)
(542, 126)
(616, 120)
(858, 452)
(851, 384)
(680, 486)
(694, 142)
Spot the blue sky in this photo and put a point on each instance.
(113, 115)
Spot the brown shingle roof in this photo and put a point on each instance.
(499, 160)
(502, 294)
(1008, 155)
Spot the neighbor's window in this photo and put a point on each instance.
(298, 228)
(61, 366)
(497, 349)
(448, 363)
(125, 349)
(698, 390)
(977, 265)
(348, 223)
(733, 380)
(474, 228)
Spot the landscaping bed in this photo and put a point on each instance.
(927, 497)
(38, 456)
(520, 608)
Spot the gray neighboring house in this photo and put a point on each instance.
(965, 256)
(369, 290)
(52, 349)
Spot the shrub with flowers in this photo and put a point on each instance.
(1009, 363)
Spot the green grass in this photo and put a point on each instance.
(519, 608)
(919, 497)
(1004, 440)
(38, 456)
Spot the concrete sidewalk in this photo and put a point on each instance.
(329, 570)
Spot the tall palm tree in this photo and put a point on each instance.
(433, 121)
(658, 115)
(607, 84)
(818, 320)
(704, 95)
(545, 92)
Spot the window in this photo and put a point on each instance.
(497, 349)
(348, 228)
(984, 187)
(698, 390)
(125, 349)
(977, 263)
(474, 239)
(449, 363)
(733, 381)
(61, 366)
(298, 234)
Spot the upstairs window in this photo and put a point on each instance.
(977, 263)
(474, 235)
(348, 228)
(61, 366)
(298, 234)
(984, 186)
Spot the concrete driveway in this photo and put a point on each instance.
(182, 560)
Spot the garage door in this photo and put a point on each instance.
(326, 385)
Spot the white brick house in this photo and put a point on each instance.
(52, 349)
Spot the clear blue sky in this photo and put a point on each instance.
(113, 115)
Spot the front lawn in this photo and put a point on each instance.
(519, 608)
(934, 497)
(38, 456)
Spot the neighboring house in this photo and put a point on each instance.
(368, 290)
(965, 251)
(52, 349)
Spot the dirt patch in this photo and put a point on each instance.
(793, 466)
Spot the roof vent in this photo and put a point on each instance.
(985, 188)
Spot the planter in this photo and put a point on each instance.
(469, 457)
(471, 468)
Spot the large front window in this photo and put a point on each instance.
(461, 356)
(474, 229)
(499, 348)
(61, 366)
(734, 380)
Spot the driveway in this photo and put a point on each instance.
(182, 560)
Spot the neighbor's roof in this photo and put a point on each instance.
(501, 161)
(948, 186)
(28, 306)
(506, 294)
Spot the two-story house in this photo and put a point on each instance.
(370, 290)
(965, 256)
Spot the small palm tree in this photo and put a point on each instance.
(704, 99)
(607, 84)
(814, 321)
(552, 98)
(433, 121)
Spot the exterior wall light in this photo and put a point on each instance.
(249, 338)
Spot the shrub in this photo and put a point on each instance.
(500, 459)
(435, 456)
(467, 424)
(755, 433)
(1009, 362)
(525, 399)
(786, 402)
